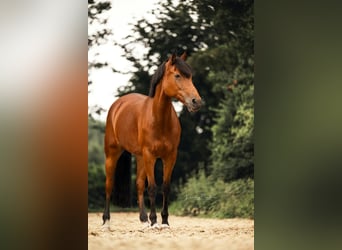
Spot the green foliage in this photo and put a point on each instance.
(96, 175)
(232, 78)
(207, 196)
(96, 181)
(232, 154)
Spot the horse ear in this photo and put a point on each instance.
(173, 58)
(184, 56)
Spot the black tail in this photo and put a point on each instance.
(122, 184)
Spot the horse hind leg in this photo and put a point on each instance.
(110, 164)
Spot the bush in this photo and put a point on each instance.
(203, 195)
(96, 187)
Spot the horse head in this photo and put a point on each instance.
(177, 82)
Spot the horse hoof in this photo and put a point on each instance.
(155, 226)
(106, 226)
(164, 226)
(145, 225)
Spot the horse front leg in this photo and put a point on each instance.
(149, 162)
(167, 172)
(141, 178)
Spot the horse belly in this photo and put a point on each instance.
(125, 124)
(127, 137)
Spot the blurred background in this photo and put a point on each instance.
(45, 114)
(127, 41)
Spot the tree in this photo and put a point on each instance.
(232, 147)
(97, 35)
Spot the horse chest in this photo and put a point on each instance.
(161, 147)
(160, 139)
(162, 144)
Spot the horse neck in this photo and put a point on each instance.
(162, 105)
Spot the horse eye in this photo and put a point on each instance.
(177, 76)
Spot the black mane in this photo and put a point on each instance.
(181, 65)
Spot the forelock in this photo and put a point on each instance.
(183, 67)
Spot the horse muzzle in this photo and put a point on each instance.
(194, 104)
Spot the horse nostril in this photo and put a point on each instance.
(196, 102)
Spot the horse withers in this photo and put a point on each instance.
(148, 127)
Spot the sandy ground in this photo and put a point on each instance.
(126, 232)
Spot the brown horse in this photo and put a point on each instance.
(148, 127)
